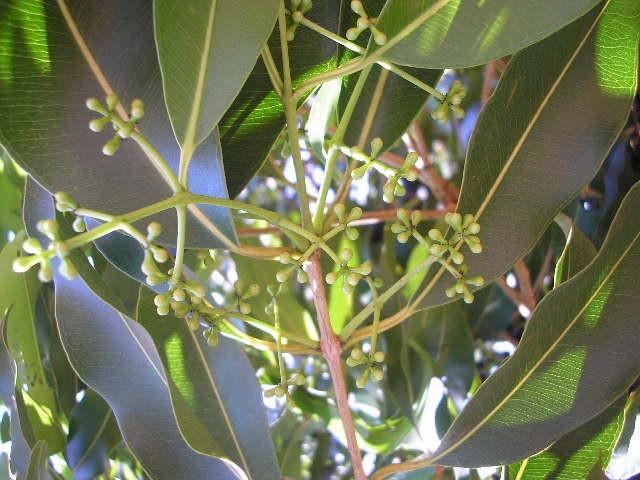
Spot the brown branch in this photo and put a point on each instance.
(524, 280)
(331, 349)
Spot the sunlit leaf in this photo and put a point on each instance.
(458, 33)
(516, 144)
(194, 42)
(45, 79)
(564, 372)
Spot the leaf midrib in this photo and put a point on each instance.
(548, 352)
(95, 439)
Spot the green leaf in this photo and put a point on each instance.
(252, 124)
(38, 462)
(214, 392)
(206, 51)
(19, 292)
(116, 357)
(563, 372)
(389, 102)
(45, 79)
(93, 432)
(583, 453)
(577, 254)
(445, 334)
(11, 185)
(290, 433)
(322, 112)
(586, 77)
(458, 33)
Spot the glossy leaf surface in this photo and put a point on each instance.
(47, 73)
(564, 371)
(457, 33)
(586, 76)
(119, 361)
(195, 43)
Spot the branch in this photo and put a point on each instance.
(331, 350)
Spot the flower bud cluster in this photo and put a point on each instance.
(351, 276)
(356, 153)
(123, 127)
(373, 363)
(298, 9)
(293, 265)
(394, 187)
(355, 213)
(451, 104)
(244, 293)
(154, 254)
(284, 388)
(406, 225)
(365, 23)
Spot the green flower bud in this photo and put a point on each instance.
(378, 37)
(297, 379)
(379, 356)
(68, 269)
(388, 192)
(468, 297)
(65, 202)
(95, 105)
(111, 147)
(358, 173)
(283, 275)
(346, 254)
(416, 217)
(376, 146)
(285, 258)
(154, 230)
(48, 227)
(474, 244)
(362, 23)
(22, 264)
(352, 33)
(377, 373)
(353, 279)
(410, 160)
(357, 354)
(400, 190)
(455, 220)
(436, 235)
(352, 233)
(154, 280)
(137, 109)
(193, 322)
(32, 246)
(99, 124)
(112, 101)
(475, 281)
(358, 8)
(366, 268)
(160, 255)
(79, 225)
(404, 237)
(332, 277)
(245, 308)
(437, 249)
(179, 295)
(61, 249)
(457, 257)
(252, 291)
(339, 210)
(45, 274)
(297, 16)
(161, 300)
(351, 362)
(302, 276)
(280, 391)
(197, 290)
(213, 338)
(451, 291)
(163, 310)
(347, 289)
(355, 214)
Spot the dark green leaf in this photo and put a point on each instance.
(214, 391)
(577, 254)
(290, 433)
(457, 33)
(10, 198)
(586, 76)
(207, 50)
(252, 124)
(565, 371)
(116, 357)
(44, 82)
(93, 432)
(583, 453)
